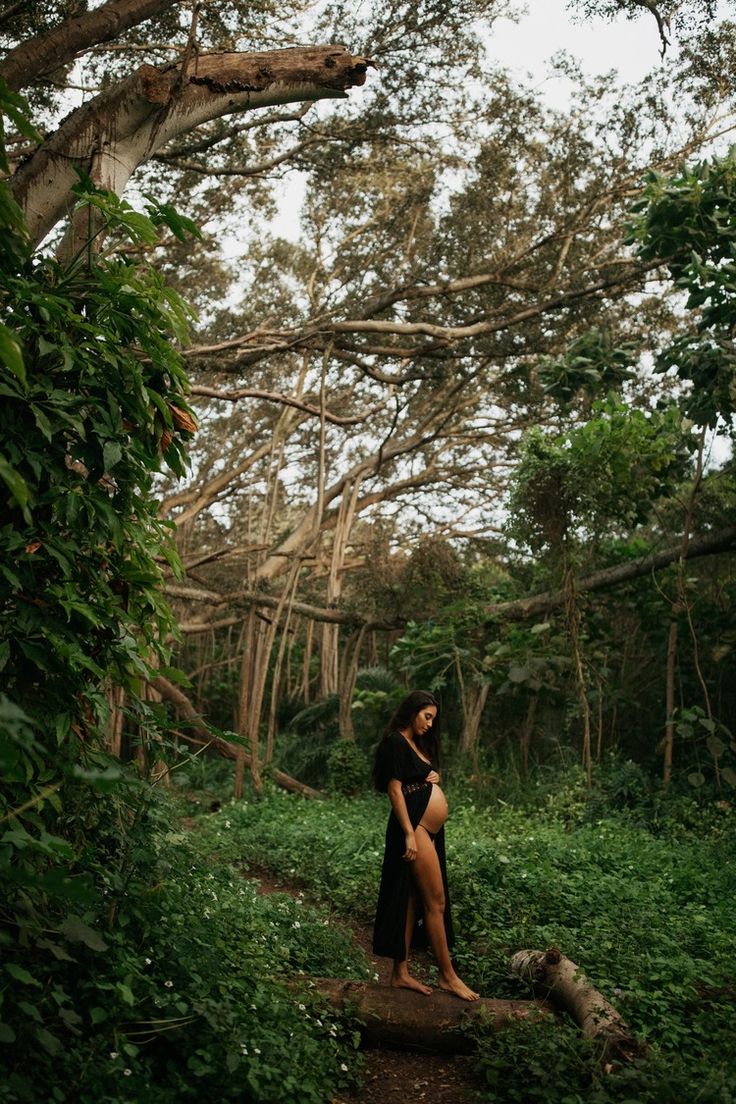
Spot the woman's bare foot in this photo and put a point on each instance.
(402, 979)
(458, 987)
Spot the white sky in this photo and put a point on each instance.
(632, 48)
(526, 48)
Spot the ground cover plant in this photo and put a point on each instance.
(196, 993)
(646, 912)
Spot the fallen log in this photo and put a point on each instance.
(411, 1021)
(202, 736)
(559, 978)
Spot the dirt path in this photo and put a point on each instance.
(396, 1076)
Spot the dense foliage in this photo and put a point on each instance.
(635, 888)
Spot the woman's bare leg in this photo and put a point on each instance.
(428, 877)
(400, 976)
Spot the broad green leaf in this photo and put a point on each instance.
(49, 1042)
(11, 353)
(21, 974)
(76, 930)
(126, 993)
(715, 746)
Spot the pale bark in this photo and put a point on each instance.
(56, 47)
(474, 698)
(559, 978)
(121, 128)
(349, 664)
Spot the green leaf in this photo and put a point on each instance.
(16, 484)
(111, 454)
(11, 353)
(49, 1042)
(21, 974)
(696, 779)
(79, 932)
(715, 746)
(126, 993)
(729, 775)
(7, 1035)
(57, 951)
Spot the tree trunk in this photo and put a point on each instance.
(556, 976)
(669, 732)
(412, 1021)
(526, 733)
(346, 682)
(474, 700)
(122, 127)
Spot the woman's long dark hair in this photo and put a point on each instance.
(428, 744)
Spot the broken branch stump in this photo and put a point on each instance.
(559, 978)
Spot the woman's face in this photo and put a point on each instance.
(424, 720)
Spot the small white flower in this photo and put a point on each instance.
(302, 1008)
(114, 1054)
(333, 1032)
(227, 823)
(343, 1067)
(296, 924)
(318, 1022)
(148, 961)
(169, 984)
(243, 1048)
(127, 1072)
(256, 1050)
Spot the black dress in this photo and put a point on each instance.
(397, 759)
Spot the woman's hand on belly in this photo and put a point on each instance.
(433, 777)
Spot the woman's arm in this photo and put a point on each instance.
(398, 804)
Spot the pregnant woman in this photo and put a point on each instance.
(413, 902)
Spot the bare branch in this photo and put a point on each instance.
(286, 400)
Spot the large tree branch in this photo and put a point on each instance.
(549, 600)
(115, 132)
(40, 55)
(724, 541)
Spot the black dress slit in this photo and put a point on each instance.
(398, 760)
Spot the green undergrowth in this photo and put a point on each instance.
(196, 991)
(649, 917)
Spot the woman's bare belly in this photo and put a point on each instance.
(436, 812)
